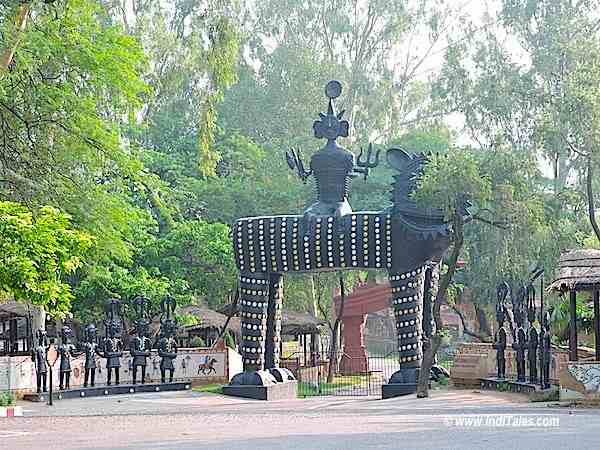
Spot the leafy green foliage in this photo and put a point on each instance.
(37, 253)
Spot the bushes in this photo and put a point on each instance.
(7, 399)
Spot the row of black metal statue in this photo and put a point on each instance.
(110, 347)
(530, 345)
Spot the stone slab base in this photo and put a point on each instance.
(108, 390)
(505, 385)
(279, 391)
(391, 390)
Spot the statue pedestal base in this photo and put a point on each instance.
(507, 385)
(279, 391)
(97, 391)
(391, 390)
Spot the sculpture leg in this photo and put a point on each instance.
(134, 372)
(61, 385)
(501, 364)
(93, 376)
(86, 377)
(116, 375)
(67, 380)
(108, 376)
(44, 378)
(162, 375)
(171, 375)
(39, 382)
(407, 303)
(254, 295)
(273, 332)
(143, 380)
(533, 368)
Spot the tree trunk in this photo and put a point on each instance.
(482, 320)
(436, 340)
(8, 54)
(335, 333)
(590, 196)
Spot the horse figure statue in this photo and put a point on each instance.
(208, 366)
(403, 239)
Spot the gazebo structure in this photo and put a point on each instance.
(17, 320)
(579, 270)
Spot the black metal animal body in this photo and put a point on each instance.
(406, 241)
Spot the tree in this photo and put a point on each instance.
(37, 253)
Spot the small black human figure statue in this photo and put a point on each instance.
(520, 336)
(39, 357)
(500, 338)
(167, 346)
(532, 336)
(112, 345)
(140, 345)
(65, 350)
(90, 350)
(546, 344)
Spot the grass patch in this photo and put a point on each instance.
(212, 388)
(315, 389)
(7, 399)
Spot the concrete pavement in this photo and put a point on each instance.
(451, 419)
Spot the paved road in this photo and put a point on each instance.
(448, 420)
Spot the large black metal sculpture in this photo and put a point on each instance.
(65, 350)
(112, 345)
(500, 339)
(519, 335)
(532, 336)
(90, 349)
(39, 357)
(406, 241)
(140, 345)
(545, 351)
(167, 345)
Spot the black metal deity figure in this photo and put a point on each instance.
(532, 336)
(112, 345)
(546, 350)
(90, 349)
(167, 345)
(404, 239)
(502, 292)
(520, 336)
(65, 350)
(140, 345)
(39, 357)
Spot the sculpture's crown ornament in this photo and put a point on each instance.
(330, 125)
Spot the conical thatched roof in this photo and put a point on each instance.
(578, 269)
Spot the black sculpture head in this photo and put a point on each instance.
(90, 333)
(142, 320)
(530, 303)
(65, 333)
(42, 338)
(331, 126)
(502, 292)
(428, 232)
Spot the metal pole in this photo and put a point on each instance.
(597, 322)
(573, 326)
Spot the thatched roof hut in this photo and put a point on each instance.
(292, 323)
(578, 270)
(297, 323)
(210, 323)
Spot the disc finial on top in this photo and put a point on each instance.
(333, 89)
